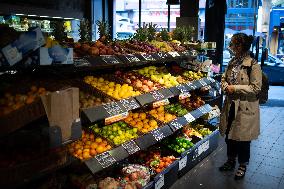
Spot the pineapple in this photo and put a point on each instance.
(84, 31)
(104, 31)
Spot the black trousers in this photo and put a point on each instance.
(240, 149)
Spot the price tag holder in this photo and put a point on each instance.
(148, 57)
(105, 159)
(116, 118)
(109, 59)
(160, 183)
(175, 124)
(157, 134)
(189, 118)
(113, 109)
(182, 163)
(131, 147)
(192, 86)
(161, 103)
(129, 104)
(163, 55)
(203, 83)
(183, 88)
(131, 58)
(174, 54)
(203, 148)
(203, 110)
(157, 95)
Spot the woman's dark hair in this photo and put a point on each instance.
(243, 40)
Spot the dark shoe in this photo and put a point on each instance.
(228, 166)
(241, 172)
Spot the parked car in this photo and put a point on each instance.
(273, 67)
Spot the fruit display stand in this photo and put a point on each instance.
(112, 112)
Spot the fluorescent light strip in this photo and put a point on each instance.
(57, 17)
(19, 14)
(32, 15)
(44, 16)
(68, 18)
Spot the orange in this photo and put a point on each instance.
(79, 152)
(92, 137)
(128, 119)
(77, 146)
(142, 116)
(133, 123)
(153, 111)
(139, 124)
(144, 130)
(160, 109)
(86, 155)
(88, 142)
(145, 121)
(108, 147)
(104, 143)
(93, 152)
(87, 146)
(98, 140)
(161, 119)
(100, 149)
(84, 139)
(135, 115)
(94, 145)
(153, 123)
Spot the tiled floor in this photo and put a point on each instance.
(266, 168)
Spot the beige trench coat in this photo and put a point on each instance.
(246, 125)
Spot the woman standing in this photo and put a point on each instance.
(240, 122)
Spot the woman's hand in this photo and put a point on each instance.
(230, 89)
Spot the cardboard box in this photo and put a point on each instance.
(26, 43)
(55, 55)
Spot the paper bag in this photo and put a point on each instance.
(62, 109)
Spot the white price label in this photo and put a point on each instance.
(202, 82)
(176, 125)
(131, 58)
(131, 147)
(158, 135)
(174, 54)
(160, 183)
(161, 103)
(189, 118)
(203, 147)
(116, 118)
(203, 110)
(182, 163)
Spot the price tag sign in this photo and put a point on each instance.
(113, 109)
(192, 86)
(12, 54)
(157, 95)
(129, 104)
(174, 54)
(105, 159)
(189, 118)
(131, 147)
(160, 183)
(203, 147)
(157, 134)
(184, 95)
(182, 88)
(186, 53)
(81, 62)
(116, 118)
(182, 163)
(203, 110)
(202, 82)
(109, 59)
(162, 55)
(175, 124)
(131, 58)
(148, 57)
(161, 103)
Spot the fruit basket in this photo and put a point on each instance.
(89, 146)
(138, 81)
(22, 105)
(111, 88)
(161, 115)
(117, 133)
(142, 121)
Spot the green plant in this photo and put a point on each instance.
(84, 31)
(183, 33)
